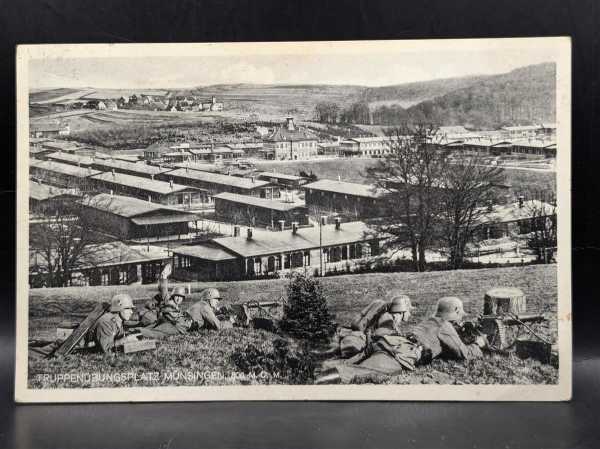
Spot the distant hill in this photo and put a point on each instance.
(44, 95)
(279, 100)
(523, 96)
(406, 95)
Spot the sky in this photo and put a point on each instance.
(367, 69)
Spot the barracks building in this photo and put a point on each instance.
(260, 253)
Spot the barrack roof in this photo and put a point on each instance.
(271, 174)
(502, 213)
(129, 207)
(39, 191)
(73, 159)
(150, 185)
(268, 242)
(259, 202)
(216, 178)
(65, 169)
(348, 188)
(208, 251)
(137, 167)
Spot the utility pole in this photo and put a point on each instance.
(322, 221)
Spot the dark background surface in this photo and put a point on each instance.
(305, 425)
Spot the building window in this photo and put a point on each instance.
(123, 276)
(271, 266)
(287, 261)
(306, 258)
(365, 250)
(297, 260)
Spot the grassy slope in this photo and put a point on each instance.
(346, 295)
(49, 94)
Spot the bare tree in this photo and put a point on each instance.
(410, 180)
(470, 186)
(63, 242)
(243, 217)
(327, 112)
(542, 238)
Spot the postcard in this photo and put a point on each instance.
(354, 220)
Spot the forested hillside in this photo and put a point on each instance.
(523, 96)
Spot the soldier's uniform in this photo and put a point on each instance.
(391, 354)
(171, 321)
(373, 321)
(439, 338)
(149, 313)
(106, 331)
(204, 316)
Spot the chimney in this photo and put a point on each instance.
(249, 234)
(171, 183)
(290, 124)
(294, 227)
(236, 231)
(253, 179)
(281, 225)
(113, 172)
(152, 177)
(338, 223)
(521, 200)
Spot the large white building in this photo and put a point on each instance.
(290, 142)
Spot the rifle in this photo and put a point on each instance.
(501, 331)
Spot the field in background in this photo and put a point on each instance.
(346, 296)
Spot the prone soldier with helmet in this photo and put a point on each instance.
(391, 353)
(108, 329)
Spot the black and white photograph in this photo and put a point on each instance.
(295, 220)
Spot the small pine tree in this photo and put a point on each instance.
(306, 315)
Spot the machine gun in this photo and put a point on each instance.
(499, 330)
(502, 324)
(258, 314)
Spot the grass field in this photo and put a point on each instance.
(346, 295)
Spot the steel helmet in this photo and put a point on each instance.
(450, 308)
(178, 291)
(400, 303)
(210, 293)
(121, 302)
